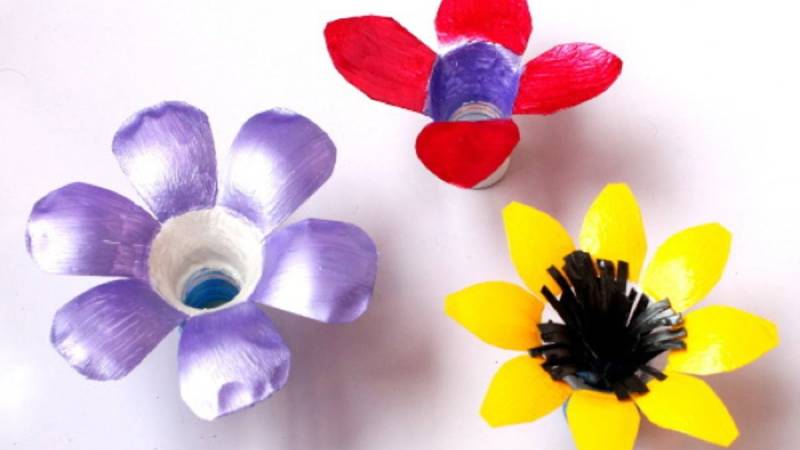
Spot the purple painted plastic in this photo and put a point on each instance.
(230, 359)
(476, 72)
(320, 269)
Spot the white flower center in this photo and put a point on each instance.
(205, 259)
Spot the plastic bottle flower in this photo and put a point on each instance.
(474, 87)
(598, 357)
(207, 258)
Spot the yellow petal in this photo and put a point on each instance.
(688, 265)
(613, 228)
(501, 314)
(601, 422)
(522, 391)
(721, 339)
(688, 405)
(536, 242)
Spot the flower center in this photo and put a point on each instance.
(475, 112)
(610, 332)
(208, 289)
(205, 259)
(478, 73)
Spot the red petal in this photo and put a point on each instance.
(565, 76)
(466, 153)
(382, 59)
(504, 22)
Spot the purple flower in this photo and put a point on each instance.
(209, 255)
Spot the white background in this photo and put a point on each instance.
(702, 124)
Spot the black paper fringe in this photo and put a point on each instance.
(610, 332)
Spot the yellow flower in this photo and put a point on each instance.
(597, 360)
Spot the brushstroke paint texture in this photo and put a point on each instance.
(319, 269)
(81, 229)
(382, 59)
(479, 72)
(277, 161)
(565, 76)
(230, 359)
(167, 152)
(506, 22)
(107, 331)
(466, 153)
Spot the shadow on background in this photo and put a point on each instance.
(343, 373)
(755, 397)
(561, 164)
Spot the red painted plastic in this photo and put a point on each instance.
(382, 59)
(466, 153)
(565, 76)
(505, 22)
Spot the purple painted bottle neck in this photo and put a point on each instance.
(477, 73)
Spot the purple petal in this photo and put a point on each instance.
(277, 161)
(106, 331)
(167, 152)
(82, 229)
(230, 359)
(320, 269)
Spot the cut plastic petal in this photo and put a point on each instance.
(81, 229)
(320, 269)
(466, 153)
(721, 339)
(505, 22)
(522, 391)
(688, 405)
(499, 313)
(229, 360)
(613, 229)
(167, 152)
(536, 241)
(601, 422)
(688, 265)
(382, 59)
(108, 330)
(565, 76)
(277, 161)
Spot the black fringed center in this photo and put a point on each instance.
(610, 332)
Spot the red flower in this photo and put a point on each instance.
(475, 86)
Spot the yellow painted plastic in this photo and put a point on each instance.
(601, 422)
(613, 228)
(522, 391)
(688, 405)
(536, 242)
(721, 339)
(499, 313)
(688, 265)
